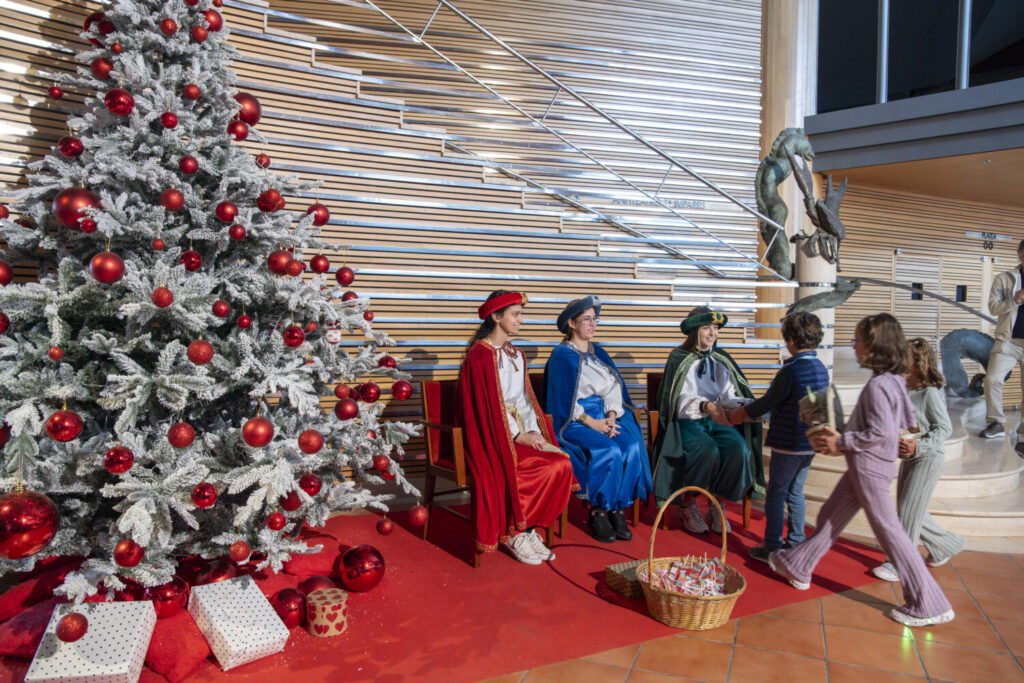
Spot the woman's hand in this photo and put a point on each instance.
(531, 439)
(608, 426)
(824, 440)
(718, 413)
(908, 447)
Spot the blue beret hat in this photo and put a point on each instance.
(575, 308)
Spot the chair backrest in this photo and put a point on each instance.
(653, 387)
(537, 383)
(439, 408)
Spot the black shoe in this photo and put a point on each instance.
(622, 531)
(600, 526)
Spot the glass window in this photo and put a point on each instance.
(916, 294)
(997, 40)
(961, 293)
(922, 47)
(847, 54)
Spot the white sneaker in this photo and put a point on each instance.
(716, 522)
(540, 550)
(897, 614)
(781, 570)
(521, 549)
(693, 521)
(886, 573)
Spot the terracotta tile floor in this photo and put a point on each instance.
(840, 638)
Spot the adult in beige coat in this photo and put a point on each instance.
(1006, 300)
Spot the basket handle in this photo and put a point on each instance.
(661, 511)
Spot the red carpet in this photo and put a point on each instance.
(436, 618)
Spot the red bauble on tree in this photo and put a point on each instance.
(163, 297)
(55, 91)
(55, 353)
(290, 605)
(278, 261)
(381, 463)
(311, 484)
(169, 120)
(188, 165)
(263, 160)
(6, 274)
(69, 205)
(214, 21)
(216, 571)
(181, 435)
(268, 200)
(258, 431)
(290, 502)
(385, 526)
(276, 521)
(293, 336)
(168, 26)
(119, 102)
(320, 264)
(172, 199)
(418, 515)
(107, 267)
(128, 553)
(250, 111)
(169, 598)
(4, 322)
(158, 244)
(362, 568)
(101, 68)
(191, 259)
(95, 18)
(401, 390)
(311, 441)
(345, 276)
(387, 362)
(87, 225)
(368, 316)
(204, 495)
(369, 392)
(226, 212)
(239, 551)
(5, 435)
(64, 425)
(311, 327)
(200, 352)
(4, 211)
(118, 460)
(198, 34)
(236, 232)
(342, 391)
(28, 522)
(346, 409)
(244, 321)
(321, 214)
(117, 48)
(349, 296)
(71, 627)
(70, 147)
(221, 308)
(192, 91)
(239, 130)
(295, 268)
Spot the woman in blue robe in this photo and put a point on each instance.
(595, 422)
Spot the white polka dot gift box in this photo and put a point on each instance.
(112, 650)
(237, 620)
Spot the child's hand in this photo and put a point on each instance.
(908, 447)
(824, 439)
(738, 416)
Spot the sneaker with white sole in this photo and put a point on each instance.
(780, 569)
(993, 430)
(886, 572)
(693, 521)
(897, 614)
(716, 522)
(542, 551)
(521, 548)
(936, 563)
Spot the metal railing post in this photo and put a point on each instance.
(882, 48)
(963, 46)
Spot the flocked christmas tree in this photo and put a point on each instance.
(161, 381)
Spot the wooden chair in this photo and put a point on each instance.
(653, 416)
(446, 458)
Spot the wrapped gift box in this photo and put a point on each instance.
(237, 620)
(621, 578)
(112, 650)
(327, 612)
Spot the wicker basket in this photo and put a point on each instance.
(693, 612)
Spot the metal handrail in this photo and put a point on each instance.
(418, 38)
(921, 290)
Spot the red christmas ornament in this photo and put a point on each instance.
(258, 431)
(5, 435)
(119, 101)
(168, 599)
(55, 92)
(191, 3)
(276, 521)
(244, 322)
(371, 434)
(158, 244)
(94, 18)
(204, 495)
(250, 111)
(188, 165)
(345, 276)
(293, 336)
(236, 232)
(162, 297)
(128, 553)
(55, 353)
(320, 264)
(70, 147)
(87, 225)
(290, 605)
(278, 261)
(295, 268)
(4, 322)
(387, 362)
(346, 409)
(311, 484)
(385, 526)
(200, 352)
(192, 91)
(238, 129)
(280, 204)
(213, 20)
(401, 390)
(290, 502)
(71, 627)
(64, 425)
(117, 48)
(321, 214)
(107, 267)
(168, 26)
(168, 120)
(349, 296)
(216, 571)
(226, 212)
(239, 551)
(368, 316)
(181, 435)
(221, 308)
(28, 522)
(191, 259)
(4, 211)
(118, 460)
(218, 3)
(172, 199)
(268, 200)
(381, 463)
(311, 327)
(69, 205)
(198, 34)
(311, 441)
(362, 568)
(315, 583)
(342, 391)
(105, 27)
(101, 68)
(369, 392)
(6, 274)
(418, 515)
(263, 160)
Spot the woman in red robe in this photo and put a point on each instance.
(521, 480)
